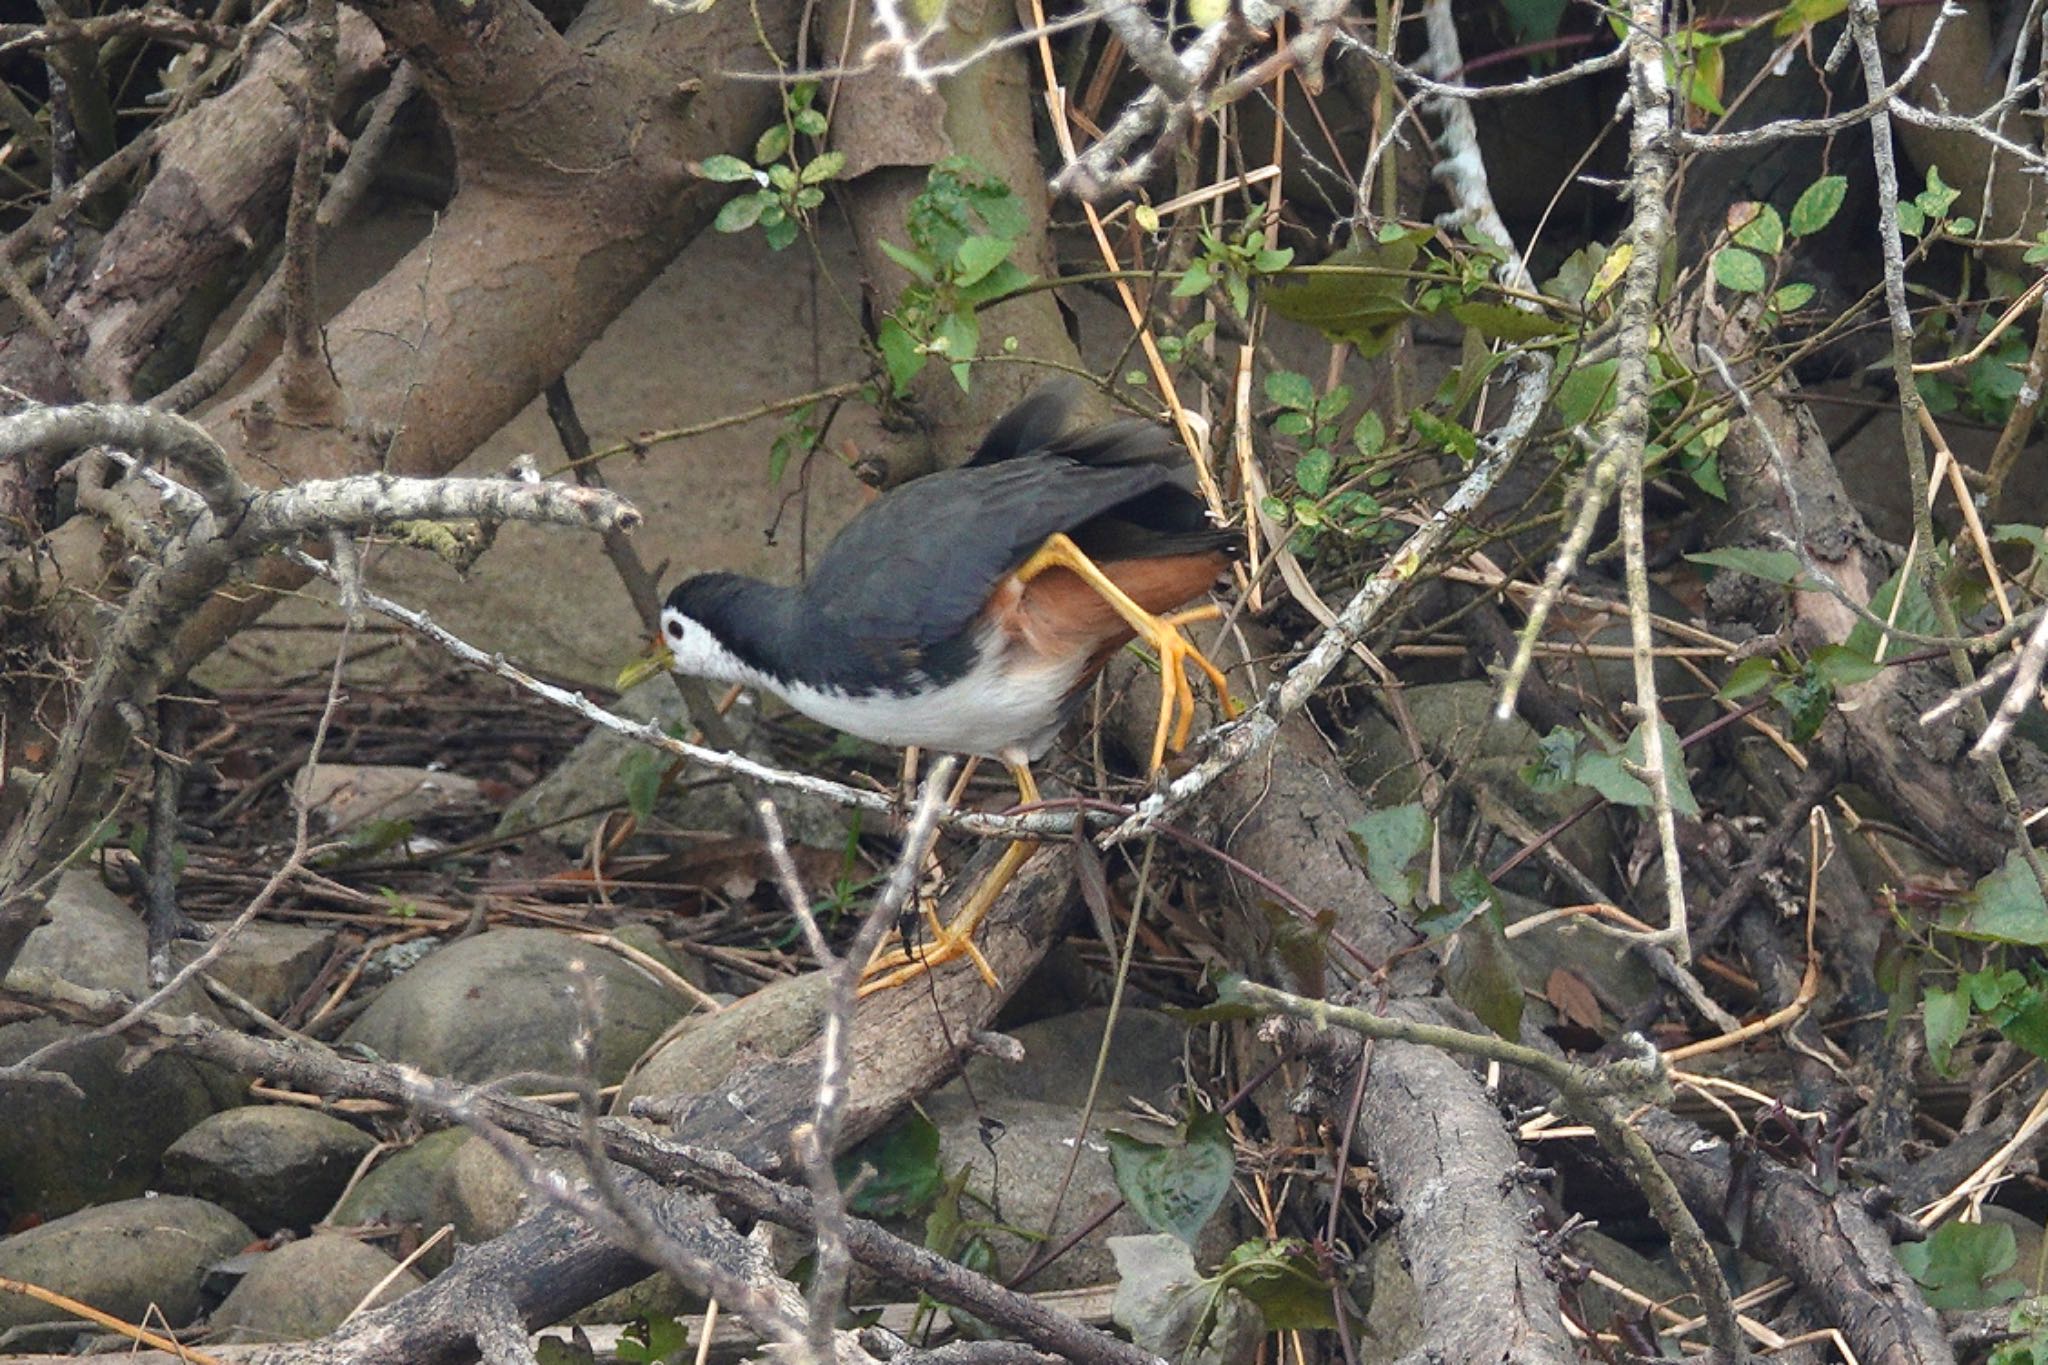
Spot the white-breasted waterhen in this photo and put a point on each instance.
(966, 610)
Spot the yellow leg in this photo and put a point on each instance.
(902, 965)
(1177, 697)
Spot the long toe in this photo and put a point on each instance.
(901, 966)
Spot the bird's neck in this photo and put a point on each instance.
(757, 626)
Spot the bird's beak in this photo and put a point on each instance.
(656, 659)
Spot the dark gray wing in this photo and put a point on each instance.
(918, 566)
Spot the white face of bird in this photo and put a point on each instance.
(696, 650)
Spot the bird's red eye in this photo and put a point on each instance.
(675, 630)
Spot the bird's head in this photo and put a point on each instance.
(704, 626)
(704, 632)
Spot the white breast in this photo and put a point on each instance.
(994, 707)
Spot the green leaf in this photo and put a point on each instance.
(1172, 1311)
(977, 256)
(783, 177)
(1773, 566)
(1481, 976)
(1842, 667)
(652, 1340)
(958, 336)
(822, 167)
(809, 197)
(1287, 389)
(778, 233)
(900, 353)
(1005, 280)
(641, 773)
(1804, 14)
(1818, 204)
(809, 122)
(1912, 220)
(1391, 840)
(912, 261)
(1964, 1265)
(1792, 297)
(2024, 1021)
(726, 170)
(1944, 1015)
(1269, 259)
(1915, 613)
(1193, 280)
(1752, 675)
(1454, 437)
(772, 144)
(1370, 435)
(1292, 423)
(2005, 907)
(1765, 231)
(1739, 270)
(1938, 198)
(898, 1169)
(1176, 1188)
(1364, 309)
(1585, 392)
(1312, 472)
(1505, 322)
(1603, 772)
(741, 212)
(1806, 697)
(2019, 533)
(1284, 1280)
(1557, 757)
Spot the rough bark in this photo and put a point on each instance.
(1827, 1243)
(550, 1265)
(1784, 488)
(1442, 1151)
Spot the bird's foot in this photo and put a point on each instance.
(1176, 693)
(903, 964)
(949, 942)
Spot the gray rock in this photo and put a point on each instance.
(59, 1153)
(348, 796)
(272, 1166)
(1020, 1179)
(508, 1001)
(482, 1194)
(773, 1022)
(403, 1187)
(94, 938)
(305, 1289)
(123, 1258)
(1059, 1060)
(1457, 718)
(591, 776)
(266, 964)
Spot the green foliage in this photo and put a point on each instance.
(1480, 974)
(798, 438)
(1176, 1187)
(894, 1173)
(1171, 1309)
(1926, 214)
(1750, 262)
(1231, 263)
(653, 1340)
(786, 185)
(1964, 1265)
(1334, 475)
(962, 229)
(1773, 566)
(2029, 1323)
(1393, 841)
(1568, 758)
